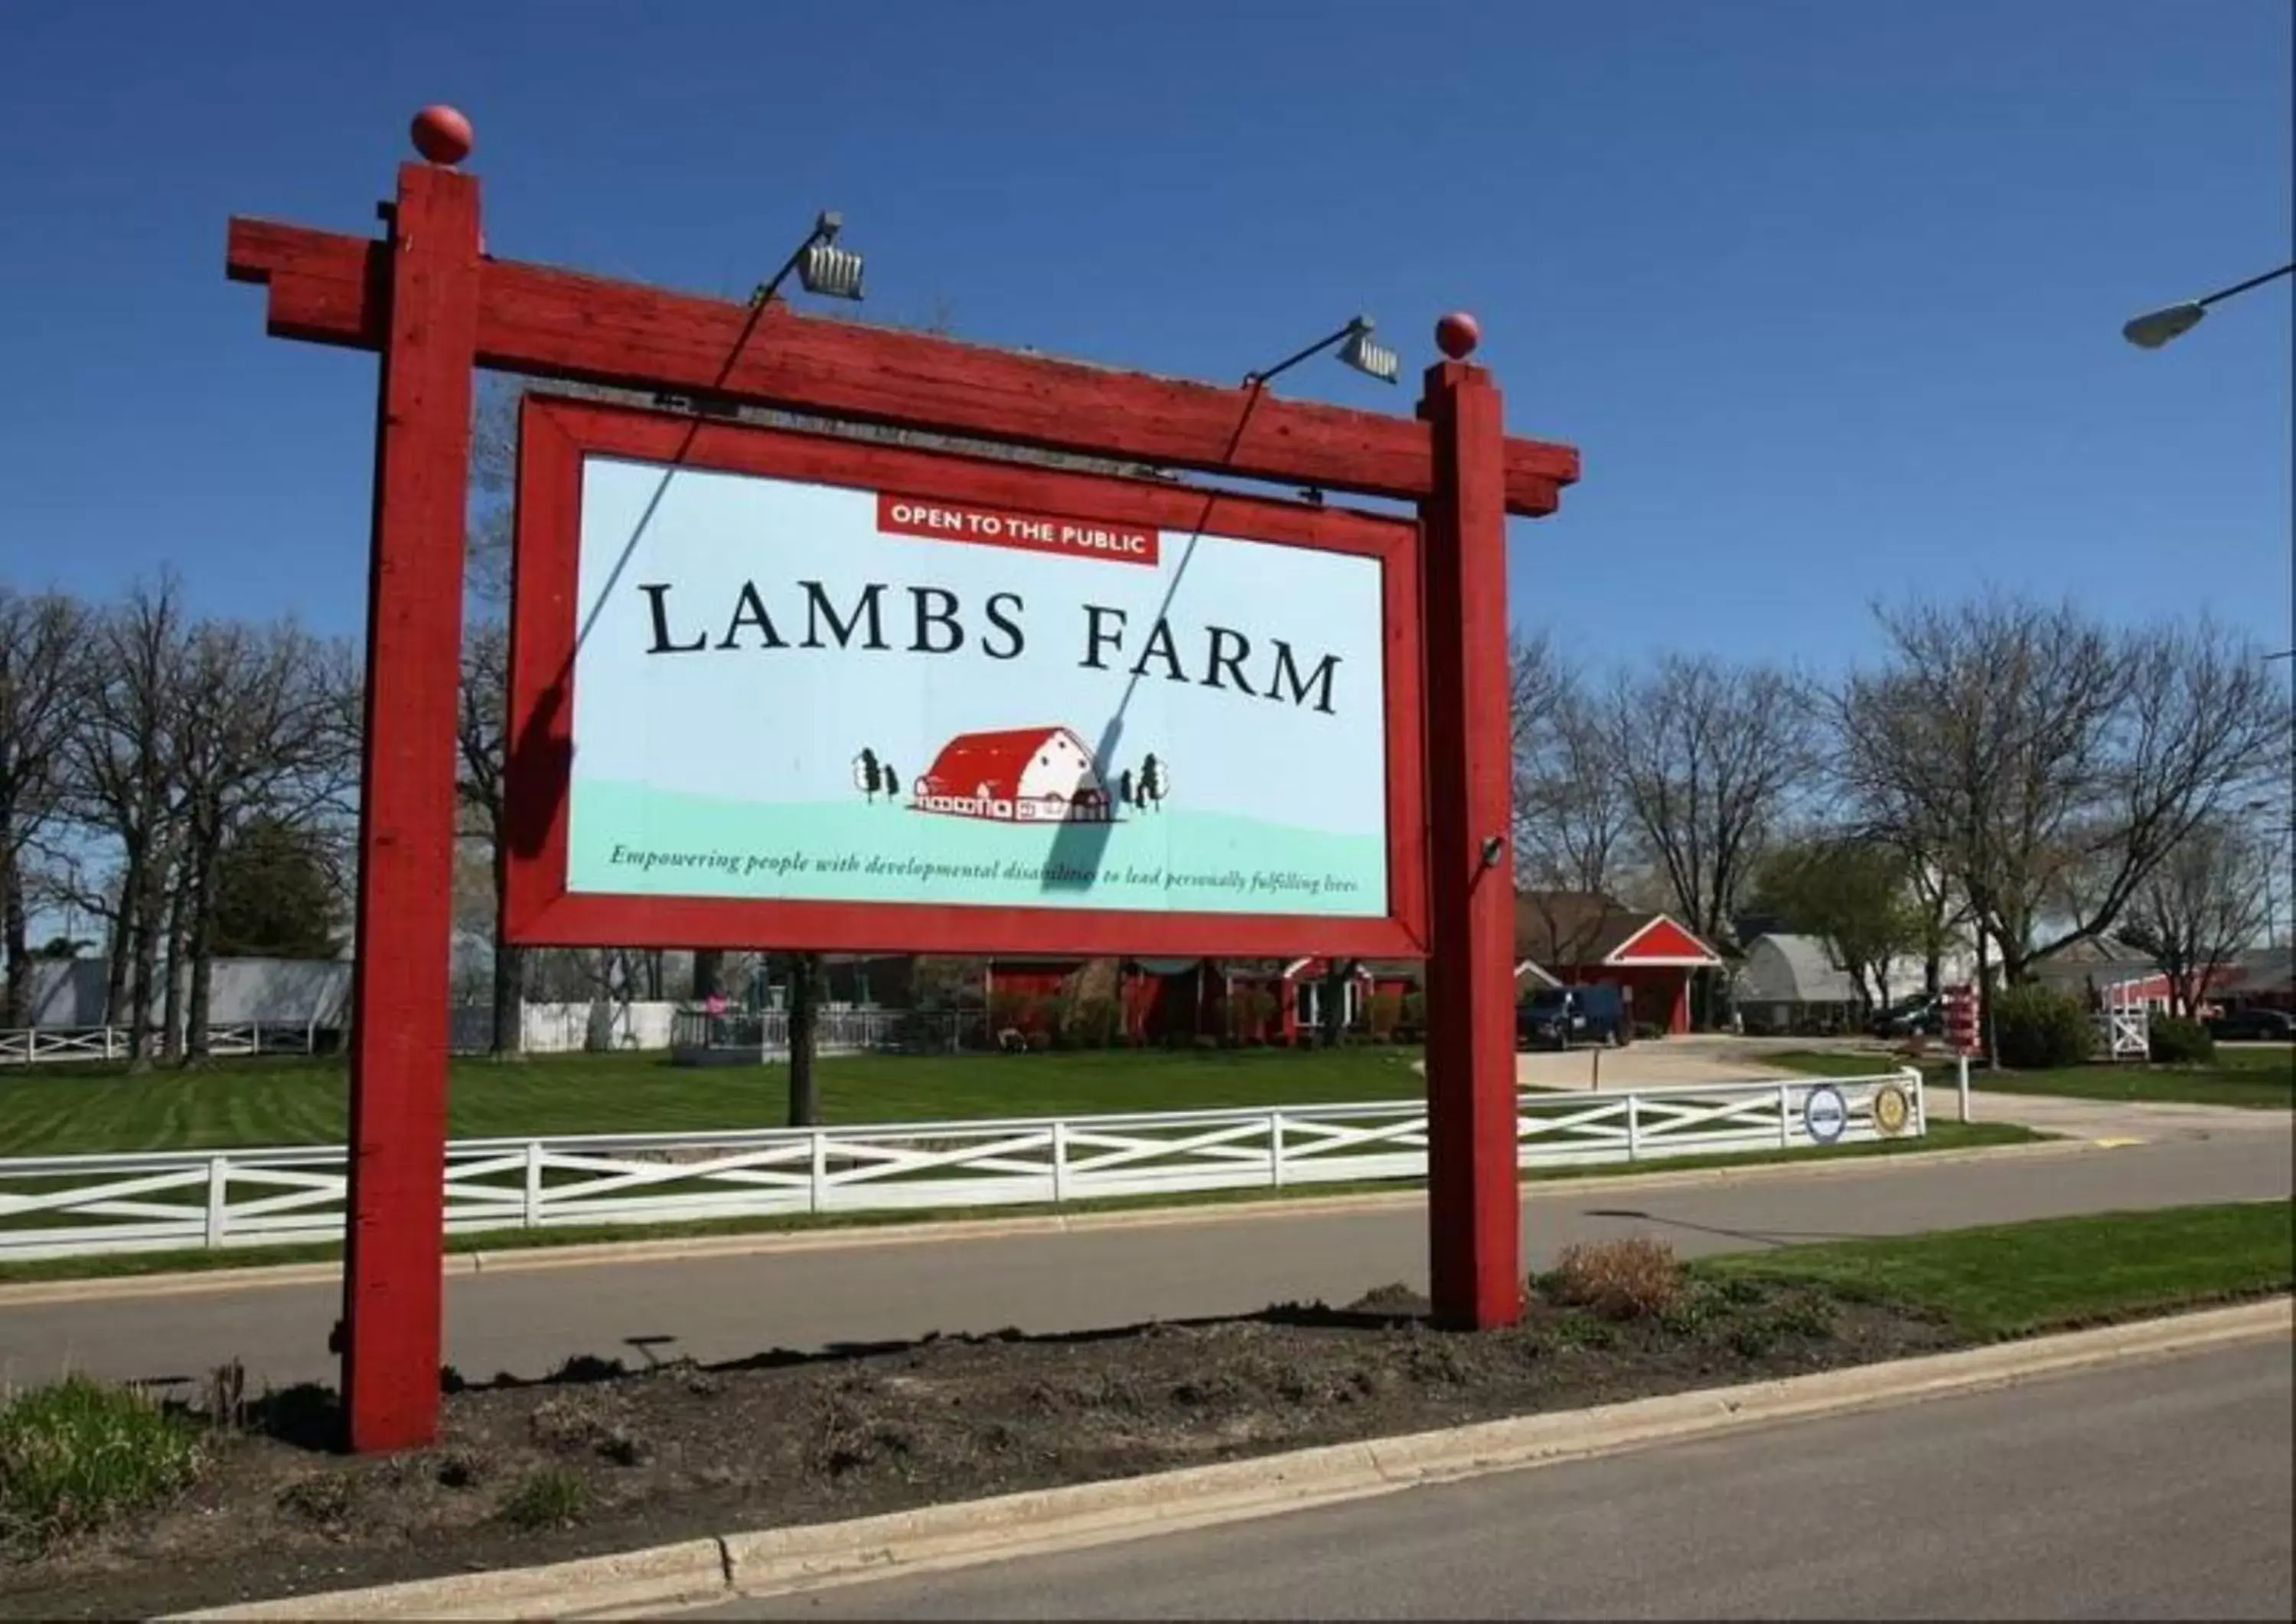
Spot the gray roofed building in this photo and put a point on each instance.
(1789, 983)
(1781, 969)
(70, 994)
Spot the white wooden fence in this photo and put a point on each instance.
(545, 1029)
(78, 1205)
(33, 1045)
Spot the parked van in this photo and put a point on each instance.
(1557, 1017)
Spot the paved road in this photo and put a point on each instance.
(527, 1319)
(2154, 1491)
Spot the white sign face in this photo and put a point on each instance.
(805, 692)
(1825, 1114)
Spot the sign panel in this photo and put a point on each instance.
(1825, 1114)
(791, 690)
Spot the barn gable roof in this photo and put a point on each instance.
(996, 758)
(1577, 929)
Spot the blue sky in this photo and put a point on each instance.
(1828, 291)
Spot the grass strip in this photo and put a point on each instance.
(2013, 1280)
(2255, 1077)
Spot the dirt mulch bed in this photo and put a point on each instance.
(597, 1460)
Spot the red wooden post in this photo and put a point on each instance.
(391, 1285)
(1474, 1208)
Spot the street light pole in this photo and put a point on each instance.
(2155, 328)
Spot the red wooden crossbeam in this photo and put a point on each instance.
(327, 288)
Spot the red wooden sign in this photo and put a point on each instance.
(1118, 522)
(434, 306)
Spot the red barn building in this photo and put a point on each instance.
(1585, 939)
(1181, 999)
(1024, 774)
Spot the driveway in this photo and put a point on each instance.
(2129, 1120)
(1668, 1062)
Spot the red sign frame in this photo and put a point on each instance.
(556, 435)
(434, 306)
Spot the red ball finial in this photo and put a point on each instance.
(1458, 334)
(442, 133)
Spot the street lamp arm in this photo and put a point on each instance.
(1357, 324)
(2242, 287)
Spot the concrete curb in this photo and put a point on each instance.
(836, 1238)
(783, 1559)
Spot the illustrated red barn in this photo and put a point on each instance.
(1020, 775)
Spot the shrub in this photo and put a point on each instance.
(1096, 1022)
(552, 1497)
(1007, 1009)
(2175, 1041)
(1386, 1015)
(1636, 1278)
(1415, 1011)
(77, 1453)
(2038, 1029)
(1249, 1012)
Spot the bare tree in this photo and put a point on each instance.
(482, 741)
(43, 673)
(1573, 821)
(1710, 760)
(253, 732)
(2203, 904)
(1538, 682)
(124, 791)
(1570, 814)
(2049, 763)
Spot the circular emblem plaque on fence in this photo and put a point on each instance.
(1825, 1114)
(1892, 1109)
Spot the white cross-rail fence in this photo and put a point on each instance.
(31, 1046)
(67, 1206)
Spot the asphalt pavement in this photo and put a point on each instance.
(2158, 1490)
(532, 1313)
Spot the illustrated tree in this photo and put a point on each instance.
(1155, 780)
(868, 776)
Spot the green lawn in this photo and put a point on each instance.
(2261, 1076)
(60, 1110)
(2014, 1279)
